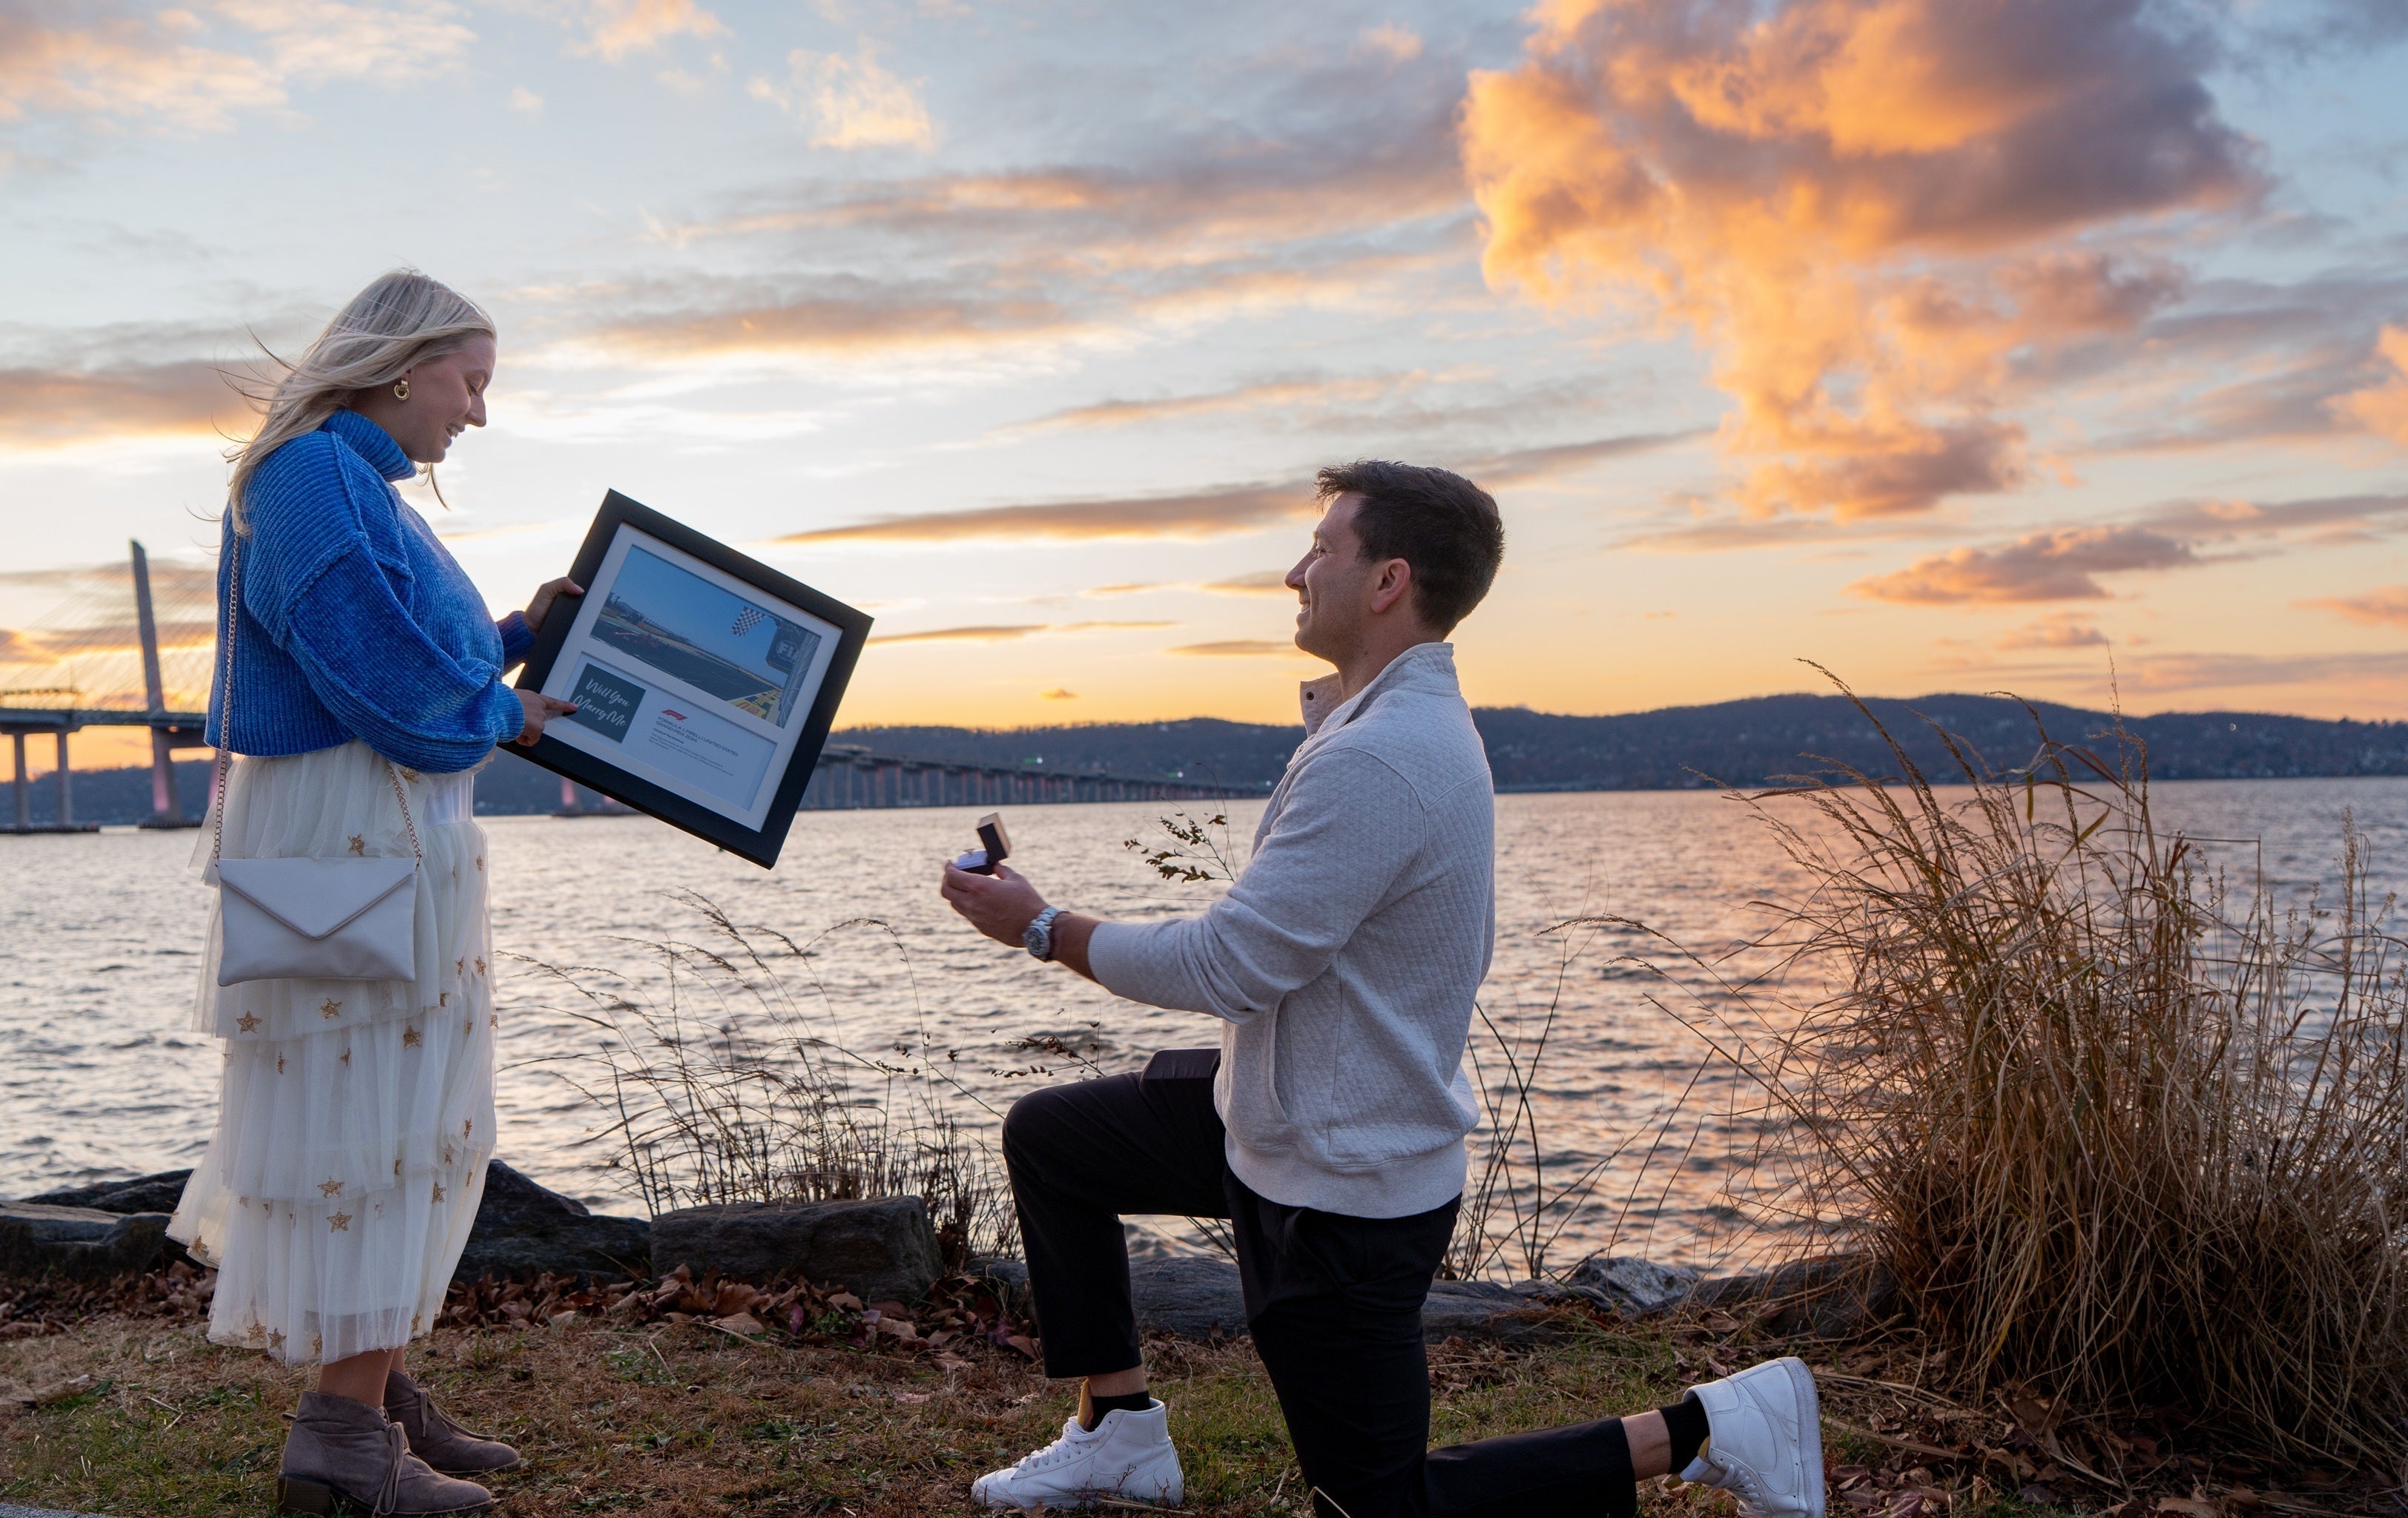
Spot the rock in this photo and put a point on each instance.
(1193, 1296)
(1484, 1310)
(523, 1228)
(78, 1244)
(1828, 1297)
(1009, 1279)
(149, 1194)
(1634, 1286)
(880, 1250)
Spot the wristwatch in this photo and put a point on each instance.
(1037, 937)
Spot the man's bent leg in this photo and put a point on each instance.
(1335, 1304)
(1080, 1156)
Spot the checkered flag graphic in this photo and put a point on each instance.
(749, 618)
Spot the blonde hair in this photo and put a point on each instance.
(401, 319)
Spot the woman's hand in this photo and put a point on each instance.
(539, 709)
(549, 592)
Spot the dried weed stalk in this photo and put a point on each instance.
(2119, 1129)
(718, 1089)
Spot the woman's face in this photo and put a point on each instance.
(447, 396)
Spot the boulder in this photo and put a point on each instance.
(78, 1243)
(883, 1249)
(1629, 1284)
(1193, 1296)
(523, 1228)
(147, 1193)
(1484, 1310)
(1826, 1296)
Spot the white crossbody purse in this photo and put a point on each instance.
(319, 919)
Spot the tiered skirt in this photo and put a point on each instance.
(354, 1117)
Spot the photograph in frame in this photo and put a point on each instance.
(706, 682)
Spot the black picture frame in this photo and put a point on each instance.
(761, 844)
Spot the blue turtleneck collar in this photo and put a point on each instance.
(372, 443)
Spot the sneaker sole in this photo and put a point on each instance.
(1802, 1382)
(314, 1500)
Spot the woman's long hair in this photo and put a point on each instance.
(400, 320)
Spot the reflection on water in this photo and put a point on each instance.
(99, 945)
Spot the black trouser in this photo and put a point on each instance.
(1334, 1303)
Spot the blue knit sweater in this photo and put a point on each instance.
(356, 622)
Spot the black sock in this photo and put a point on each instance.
(1686, 1421)
(1138, 1402)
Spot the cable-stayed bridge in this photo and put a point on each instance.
(131, 646)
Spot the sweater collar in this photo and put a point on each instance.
(1425, 666)
(372, 443)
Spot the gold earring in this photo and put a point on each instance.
(401, 388)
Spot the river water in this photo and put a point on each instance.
(100, 937)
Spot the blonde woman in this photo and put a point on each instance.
(358, 668)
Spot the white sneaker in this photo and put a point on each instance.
(1126, 1454)
(1764, 1444)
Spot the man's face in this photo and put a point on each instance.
(1333, 584)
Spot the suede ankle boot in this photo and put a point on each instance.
(435, 1438)
(338, 1448)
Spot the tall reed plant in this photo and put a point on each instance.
(2122, 1124)
(719, 1088)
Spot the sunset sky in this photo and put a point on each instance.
(2055, 345)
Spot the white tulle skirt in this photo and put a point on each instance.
(354, 1117)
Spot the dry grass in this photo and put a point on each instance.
(682, 1421)
(2124, 1132)
(721, 1089)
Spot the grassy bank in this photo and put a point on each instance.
(686, 1420)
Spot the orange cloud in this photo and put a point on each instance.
(1004, 633)
(46, 407)
(1864, 208)
(2385, 606)
(1234, 647)
(198, 69)
(2062, 631)
(1200, 514)
(999, 632)
(2042, 566)
(2383, 409)
(615, 28)
(849, 102)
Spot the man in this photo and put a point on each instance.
(1343, 963)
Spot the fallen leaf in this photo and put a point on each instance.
(2188, 1507)
(1022, 1342)
(42, 1396)
(845, 1302)
(742, 1325)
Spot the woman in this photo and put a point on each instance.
(358, 667)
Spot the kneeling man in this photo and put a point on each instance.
(1330, 1132)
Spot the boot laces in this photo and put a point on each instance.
(388, 1496)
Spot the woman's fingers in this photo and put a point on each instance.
(536, 708)
(551, 591)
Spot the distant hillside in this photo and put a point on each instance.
(1753, 742)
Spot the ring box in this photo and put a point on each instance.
(997, 847)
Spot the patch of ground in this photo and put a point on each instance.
(684, 1400)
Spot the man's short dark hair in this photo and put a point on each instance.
(1442, 524)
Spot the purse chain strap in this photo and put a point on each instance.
(225, 716)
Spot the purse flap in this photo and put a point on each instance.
(315, 897)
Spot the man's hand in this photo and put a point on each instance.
(1001, 905)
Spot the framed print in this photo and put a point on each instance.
(706, 682)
